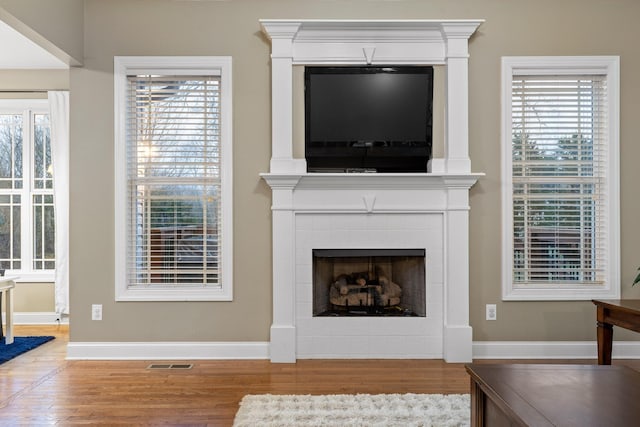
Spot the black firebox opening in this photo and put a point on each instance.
(369, 282)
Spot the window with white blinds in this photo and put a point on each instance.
(176, 158)
(562, 184)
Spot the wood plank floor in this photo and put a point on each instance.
(42, 388)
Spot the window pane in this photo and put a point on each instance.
(5, 231)
(43, 232)
(558, 178)
(42, 166)
(10, 231)
(10, 151)
(177, 124)
(37, 230)
(17, 239)
(176, 234)
(174, 179)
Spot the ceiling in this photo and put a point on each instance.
(18, 52)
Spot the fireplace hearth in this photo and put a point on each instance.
(369, 282)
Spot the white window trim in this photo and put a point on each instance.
(551, 65)
(203, 65)
(28, 274)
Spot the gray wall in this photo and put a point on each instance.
(163, 27)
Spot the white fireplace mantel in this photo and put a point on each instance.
(420, 210)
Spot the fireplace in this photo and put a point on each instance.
(384, 239)
(371, 210)
(369, 282)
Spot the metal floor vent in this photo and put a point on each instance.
(170, 366)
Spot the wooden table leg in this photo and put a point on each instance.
(1, 334)
(477, 405)
(8, 303)
(605, 339)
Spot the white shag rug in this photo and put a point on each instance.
(406, 410)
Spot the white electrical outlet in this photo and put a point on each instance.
(492, 312)
(96, 312)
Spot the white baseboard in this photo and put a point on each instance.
(551, 350)
(37, 318)
(260, 350)
(166, 350)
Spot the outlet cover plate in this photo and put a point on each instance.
(492, 312)
(96, 312)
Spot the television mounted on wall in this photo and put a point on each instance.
(368, 118)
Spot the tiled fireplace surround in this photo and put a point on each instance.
(354, 211)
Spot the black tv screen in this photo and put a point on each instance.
(368, 118)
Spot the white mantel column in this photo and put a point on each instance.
(283, 329)
(282, 160)
(457, 100)
(458, 334)
(283, 332)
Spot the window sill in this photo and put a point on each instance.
(174, 294)
(560, 293)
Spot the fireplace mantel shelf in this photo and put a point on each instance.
(371, 180)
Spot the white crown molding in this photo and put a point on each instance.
(416, 42)
(357, 30)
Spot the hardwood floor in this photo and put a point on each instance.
(42, 388)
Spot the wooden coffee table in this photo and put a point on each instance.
(554, 395)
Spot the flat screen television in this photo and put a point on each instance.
(368, 119)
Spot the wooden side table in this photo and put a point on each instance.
(7, 284)
(624, 313)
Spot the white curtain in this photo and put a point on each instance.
(59, 120)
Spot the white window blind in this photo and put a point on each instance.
(559, 179)
(173, 157)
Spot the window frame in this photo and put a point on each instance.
(174, 65)
(608, 66)
(29, 274)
